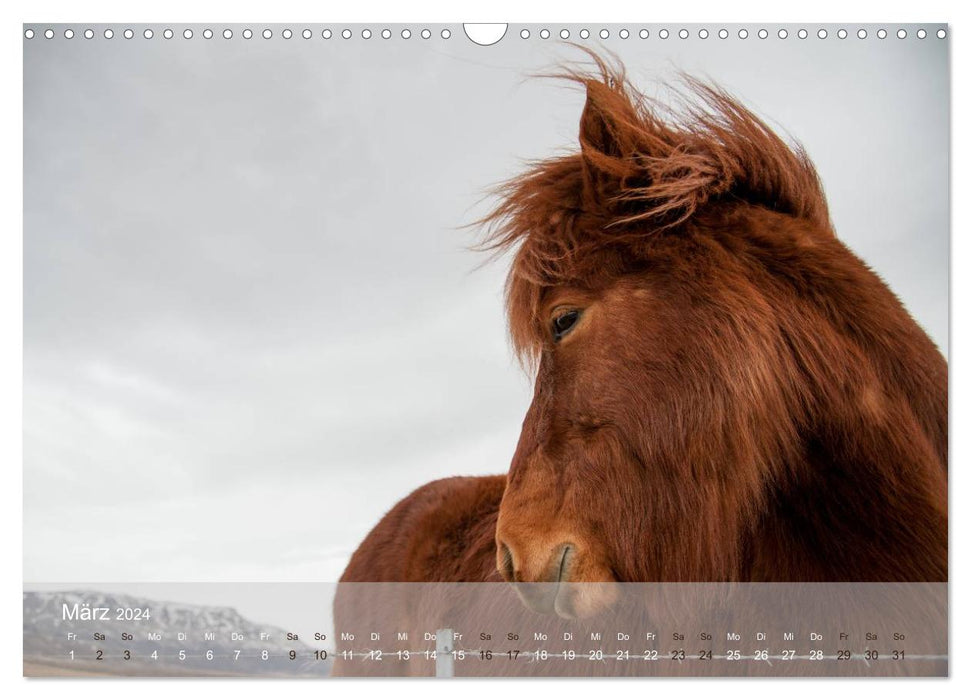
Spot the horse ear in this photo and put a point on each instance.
(604, 140)
(597, 128)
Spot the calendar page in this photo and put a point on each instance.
(444, 350)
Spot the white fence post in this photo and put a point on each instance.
(444, 663)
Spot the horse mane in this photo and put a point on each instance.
(643, 167)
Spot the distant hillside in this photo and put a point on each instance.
(216, 641)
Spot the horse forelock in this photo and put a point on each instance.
(643, 167)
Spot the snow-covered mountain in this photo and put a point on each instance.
(175, 638)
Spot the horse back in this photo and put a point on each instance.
(442, 531)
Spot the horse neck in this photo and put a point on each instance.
(863, 506)
(863, 495)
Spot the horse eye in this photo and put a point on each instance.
(564, 323)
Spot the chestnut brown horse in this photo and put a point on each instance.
(724, 391)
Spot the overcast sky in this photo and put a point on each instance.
(251, 323)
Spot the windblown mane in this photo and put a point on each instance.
(642, 167)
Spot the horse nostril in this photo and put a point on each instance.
(564, 563)
(506, 565)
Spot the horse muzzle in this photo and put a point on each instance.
(544, 579)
